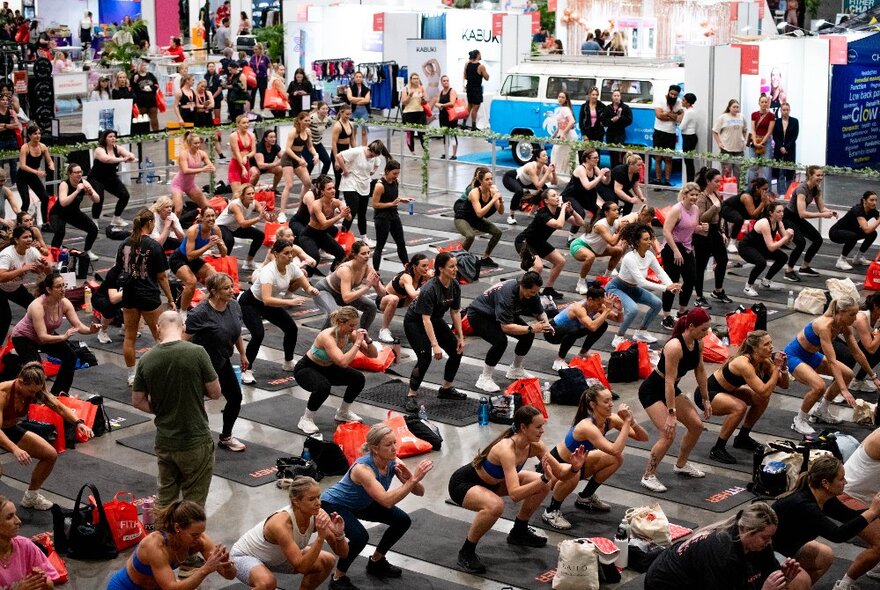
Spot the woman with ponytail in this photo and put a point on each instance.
(357, 165)
(661, 397)
(867, 335)
(679, 262)
(709, 242)
(586, 319)
(350, 284)
(401, 291)
(473, 209)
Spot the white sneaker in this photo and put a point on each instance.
(859, 259)
(826, 417)
(282, 218)
(287, 366)
(839, 585)
(386, 336)
(801, 426)
(368, 241)
(581, 287)
(92, 256)
(652, 483)
(689, 470)
(248, 265)
(486, 384)
(307, 425)
(862, 386)
(769, 285)
(556, 520)
(347, 416)
(131, 378)
(731, 247)
(643, 336)
(247, 377)
(104, 337)
(511, 220)
(559, 364)
(842, 264)
(617, 341)
(118, 221)
(37, 501)
(748, 290)
(515, 373)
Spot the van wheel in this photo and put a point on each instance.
(522, 151)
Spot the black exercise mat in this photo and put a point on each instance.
(429, 222)
(252, 467)
(74, 468)
(716, 493)
(108, 380)
(284, 411)
(32, 521)
(700, 454)
(141, 345)
(120, 418)
(799, 390)
(269, 376)
(465, 379)
(777, 422)
(392, 395)
(508, 564)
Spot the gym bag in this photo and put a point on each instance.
(290, 467)
(327, 456)
(122, 517)
(578, 566)
(88, 535)
(568, 389)
(530, 391)
(623, 366)
(468, 266)
(408, 444)
(591, 367)
(645, 366)
(424, 430)
(739, 324)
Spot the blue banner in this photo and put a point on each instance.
(113, 11)
(854, 117)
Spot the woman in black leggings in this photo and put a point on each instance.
(327, 364)
(678, 253)
(798, 216)
(749, 204)
(859, 223)
(760, 245)
(29, 174)
(68, 209)
(105, 175)
(711, 242)
(325, 211)
(386, 218)
(429, 334)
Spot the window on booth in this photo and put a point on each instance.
(520, 86)
(634, 91)
(577, 88)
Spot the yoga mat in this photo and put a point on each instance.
(505, 563)
(799, 390)
(429, 222)
(120, 418)
(284, 411)
(74, 468)
(108, 380)
(392, 395)
(32, 521)
(270, 376)
(252, 467)
(777, 422)
(141, 345)
(700, 454)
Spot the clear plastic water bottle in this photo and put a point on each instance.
(545, 392)
(411, 208)
(151, 170)
(147, 514)
(423, 413)
(790, 303)
(621, 539)
(483, 412)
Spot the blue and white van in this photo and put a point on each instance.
(527, 99)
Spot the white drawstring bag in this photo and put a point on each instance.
(578, 566)
(650, 523)
(811, 301)
(843, 287)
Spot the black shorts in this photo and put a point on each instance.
(463, 479)
(665, 140)
(653, 390)
(554, 452)
(542, 249)
(178, 260)
(402, 301)
(475, 96)
(15, 433)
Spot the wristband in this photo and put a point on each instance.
(544, 478)
(79, 421)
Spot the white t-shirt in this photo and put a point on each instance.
(732, 131)
(359, 171)
(634, 270)
(11, 260)
(227, 218)
(269, 275)
(667, 126)
(159, 224)
(689, 122)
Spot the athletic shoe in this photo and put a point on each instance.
(874, 573)
(231, 444)
(368, 241)
(551, 292)
(701, 302)
(731, 247)
(383, 569)
(859, 259)
(307, 425)
(515, 373)
(863, 386)
(809, 271)
(92, 256)
(793, 276)
(556, 520)
(347, 416)
(282, 218)
(842, 264)
(527, 538)
(37, 501)
(470, 563)
(652, 483)
(746, 443)
(46, 228)
(288, 366)
(824, 417)
(487, 262)
(617, 341)
(770, 286)
(643, 336)
(118, 221)
(450, 393)
(343, 583)
(104, 337)
(385, 336)
(720, 296)
(721, 455)
(247, 377)
(839, 585)
(487, 384)
(511, 220)
(668, 322)
(248, 265)
(131, 377)
(592, 504)
(581, 287)
(801, 426)
(559, 364)
(688, 470)
(750, 291)
(411, 405)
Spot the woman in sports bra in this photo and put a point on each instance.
(402, 290)
(586, 319)
(239, 220)
(292, 161)
(243, 143)
(186, 261)
(180, 534)
(760, 246)
(601, 239)
(385, 198)
(29, 176)
(193, 160)
(340, 138)
(661, 397)
(677, 255)
(321, 211)
(327, 364)
(741, 390)
(474, 208)
(185, 101)
(811, 354)
(497, 471)
(350, 285)
(582, 190)
(531, 176)
(104, 175)
(749, 204)
(595, 416)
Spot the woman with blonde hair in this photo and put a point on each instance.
(166, 226)
(292, 161)
(243, 144)
(565, 130)
(276, 84)
(625, 181)
(185, 100)
(193, 160)
(412, 97)
(26, 565)
(239, 220)
(679, 262)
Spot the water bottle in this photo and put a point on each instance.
(87, 303)
(306, 454)
(483, 412)
(545, 392)
(790, 303)
(63, 257)
(423, 413)
(621, 539)
(147, 514)
(411, 207)
(151, 170)
(237, 370)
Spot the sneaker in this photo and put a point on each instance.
(841, 263)
(750, 291)
(527, 538)
(839, 585)
(383, 569)
(347, 416)
(411, 405)
(720, 296)
(487, 384)
(37, 501)
(247, 377)
(368, 241)
(801, 426)
(511, 220)
(343, 583)
(668, 322)
(131, 378)
(859, 259)
(559, 364)
(470, 563)
(288, 366)
(451, 393)
(581, 287)
(793, 276)
(809, 271)
(307, 425)
(551, 292)
(104, 337)
(731, 247)
(652, 483)
(487, 262)
(556, 520)
(248, 265)
(689, 470)
(770, 286)
(592, 504)
(862, 386)
(118, 221)
(515, 373)
(92, 256)
(874, 573)
(746, 443)
(385, 336)
(721, 455)
(617, 341)
(231, 444)
(282, 218)
(824, 417)
(702, 302)
(643, 336)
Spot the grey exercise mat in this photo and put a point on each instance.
(465, 379)
(32, 521)
(799, 390)
(392, 395)
(107, 379)
(252, 467)
(776, 422)
(74, 468)
(284, 411)
(141, 346)
(508, 564)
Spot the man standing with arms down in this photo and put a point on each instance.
(170, 382)
(667, 115)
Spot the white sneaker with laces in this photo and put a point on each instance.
(652, 483)
(231, 444)
(487, 384)
(287, 366)
(347, 416)
(104, 337)
(92, 256)
(282, 218)
(247, 377)
(581, 287)
(511, 220)
(118, 221)
(689, 470)
(517, 373)
(385, 336)
(839, 585)
(307, 425)
(731, 247)
(248, 265)
(617, 341)
(37, 501)
(862, 386)
(750, 291)
(859, 259)
(825, 417)
(643, 336)
(842, 264)
(770, 285)
(131, 377)
(801, 426)
(559, 364)
(368, 241)
(556, 520)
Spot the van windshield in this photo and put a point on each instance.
(520, 85)
(634, 91)
(577, 88)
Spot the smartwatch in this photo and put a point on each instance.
(531, 330)
(671, 411)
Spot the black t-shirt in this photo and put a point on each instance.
(538, 231)
(7, 135)
(143, 267)
(620, 174)
(435, 300)
(850, 221)
(145, 87)
(502, 302)
(269, 155)
(76, 203)
(800, 508)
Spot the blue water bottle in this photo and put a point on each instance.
(411, 207)
(483, 413)
(306, 454)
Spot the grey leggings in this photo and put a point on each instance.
(329, 300)
(470, 232)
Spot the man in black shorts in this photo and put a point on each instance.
(667, 116)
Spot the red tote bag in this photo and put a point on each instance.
(408, 444)
(714, 350)
(122, 516)
(530, 390)
(346, 240)
(269, 231)
(591, 367)
(872, 275)
(350, 437)
(645, 366)
(739, 324)
(43, 413)
(82, 410)
(379, 364)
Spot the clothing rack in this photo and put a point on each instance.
(381, 77)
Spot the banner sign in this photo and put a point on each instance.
(854, 117)
(426, 57)
(497, 23)
(379, 21)
(749, 58)
(113, 11)
(859, 6)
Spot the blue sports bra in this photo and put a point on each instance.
(811, 335)
(572, 444)
(200, 242)
(564, 321)
(497, 471)
(143, 568)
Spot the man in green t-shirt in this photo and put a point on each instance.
(171, 381)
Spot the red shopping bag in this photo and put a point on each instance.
(160, 101)
(227, 264)
(122, 516)
(83, 410)
(43, 413)
(714, 350)
(451, 247)
(218, 204)
(267, 198)
(530, 390)
(350, 437)
(269, 231)
(250, 76)
(466, 325)
(458, 111)
(44, 541)
(872, 275)
(408, 444)
(591, 367)
(645, 366)
(276, 100)
(379, 364)
(346, 240)
(739, 324)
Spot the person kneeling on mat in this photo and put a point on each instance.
(585, 318)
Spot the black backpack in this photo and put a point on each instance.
(623, 366)
(425, 430)
(327, 456)
(568, 389)
(291, 467)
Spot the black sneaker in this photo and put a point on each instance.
(551, 292)
(526, 538)
(721, 455)
(701, 302)
(343, 583)
(721, 296)
(668, 322)
(747, 443)
(793, 276)
(471, 563)
(383, 569)
(411, 406)
(809, 271)
(46, 228)
(488, 262)
(450, 393)
(665, 182)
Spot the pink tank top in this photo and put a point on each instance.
(25, 328)
(683, 232)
